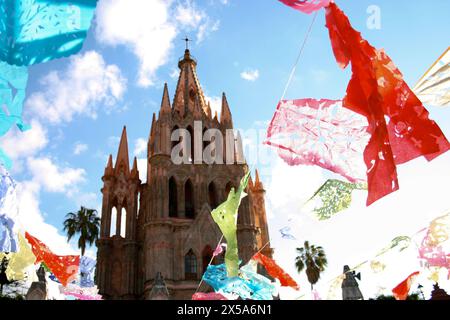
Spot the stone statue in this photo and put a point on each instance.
(350, 288)
(38, 289)
(159, 290)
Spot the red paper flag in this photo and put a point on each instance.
(398, 122)
(65, 268)
(402, 290)
(306, 6)
(276, 271)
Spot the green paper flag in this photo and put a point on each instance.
(334, 196)
(225, 215)
(403, 242)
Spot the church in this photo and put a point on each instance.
(158, 237)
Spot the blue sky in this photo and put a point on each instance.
(230, 37)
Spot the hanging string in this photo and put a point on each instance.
(299, 56)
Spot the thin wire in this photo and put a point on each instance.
(299, 56)
(210, 261)
(363, 263)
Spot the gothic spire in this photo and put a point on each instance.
(225, 114)
(109, 166)
(165, 104)
(134, 171)
(208, 110)
(153, 128)
(122, 155)
(258, 184)
(188, 87)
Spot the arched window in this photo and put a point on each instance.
(207, 256)
(123, 223)
(212, 195)
(191, 152)
(190, 266)
(228, 188)
(189, 200)
(173, 198)
(112, 230)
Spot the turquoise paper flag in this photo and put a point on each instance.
(225, 215)
(35, 31)
(249, 286)
(13, 83)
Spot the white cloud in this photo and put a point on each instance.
(86, 83)
(188, 15)
(205, 29)
(140, 147)
(216, 104)
(80, 148)
(19, 144)
(250, 75)
(31, 219)
(149, 28)
(142, 167)
(52, 178)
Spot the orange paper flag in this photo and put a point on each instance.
(276, 271)
(402, 290)
(65, 268)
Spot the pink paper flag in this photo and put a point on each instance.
(219, 249)
(208, 296)
(322, 133)
(306, 6)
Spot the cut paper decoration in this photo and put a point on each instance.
(19, 261)
(13, 83)
(8, 212)
(434, 86)
(335, 290)
(377, 266)
(401, 291)
(321, 133)
(286, 233)
(208, 296)
(275, 271)
(399, 125)
(87, 266)
(403, 242)
(334, 196)
(219, 249)
(251, 286)
(439, 231)
(316, 295)
(306, 6)
(35, 31)
(8, 238)
(65, 268)
(433, 255)
(81, 293)
(225, 215)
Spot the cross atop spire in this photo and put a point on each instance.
(187, 42)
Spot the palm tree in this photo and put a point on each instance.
(86, 223)
(313, 259)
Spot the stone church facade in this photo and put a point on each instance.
(161, 233)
